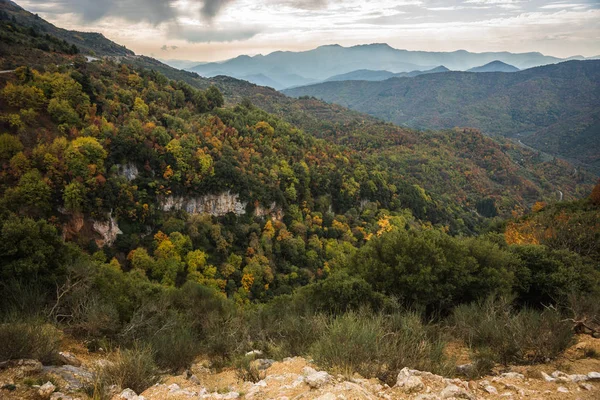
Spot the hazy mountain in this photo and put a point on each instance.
(327, 61)
(262, 80)
(368, 75)
(362, 75)
(495, 66)
(552, 108)
(179, 64)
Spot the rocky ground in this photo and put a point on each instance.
(573, 376)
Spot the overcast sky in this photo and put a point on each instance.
(210, 30)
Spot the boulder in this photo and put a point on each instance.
(46, 390)
(562, 389)
(490, 389)
(408, 382)
(547, 377)
(453, 391)
(128, 394)
(594, 376)
(24, 367)
(75, 378)
(68, 358)
(315, 379)
(512, 375)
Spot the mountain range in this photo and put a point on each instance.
(288, 69)
(554, 108)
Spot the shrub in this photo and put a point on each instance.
(132, 368)
(29, 340)
(508, 336)
(378, 345)
(176, 347)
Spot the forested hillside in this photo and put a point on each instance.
(552, 108)
(159, 220)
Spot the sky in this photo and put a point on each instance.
(212, 30)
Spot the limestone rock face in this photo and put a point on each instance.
(108, 231)
(129, 171)
(103, 232)
(216, 205)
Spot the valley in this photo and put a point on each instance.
(170, 234)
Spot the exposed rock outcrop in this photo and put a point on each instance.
(104, 233)
(217, 205)
(129, 171)
(108, 231)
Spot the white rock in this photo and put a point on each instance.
(512, 375)
(231, 395)
(578, 378)
(46, 390)
(317, 379)
(456, 392)
(562, 389)
(547, 377)
(128, 394)
(254, 353)
(411, 384)
(69, 358)
(586, 386)
(408, 382)
(173, 388)
(594, 376)
(490, 389)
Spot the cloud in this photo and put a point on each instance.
(206, 34)
(152, 11)
(211, 8)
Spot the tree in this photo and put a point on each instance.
(595, 196)
(214, 97)
(74, 196)
(62, 112)
(23, 96)
(9, 146)
(31, 196)
(84, 152)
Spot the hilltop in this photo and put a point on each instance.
(495, 66)
(552, 108)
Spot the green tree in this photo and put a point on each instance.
(214, 97)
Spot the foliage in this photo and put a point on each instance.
(132, 368)
(379, 345)
(31, 340)
(493, 328)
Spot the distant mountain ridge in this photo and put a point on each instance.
(495, 66)
(327, 61)
(554, 108)
(369, 75)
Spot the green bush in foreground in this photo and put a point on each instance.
(378, 345)
(132, 368)
(508, 336)
(33, 340)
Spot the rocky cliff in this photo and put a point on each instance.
(217, 205)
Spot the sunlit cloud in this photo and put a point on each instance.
(209, 30)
